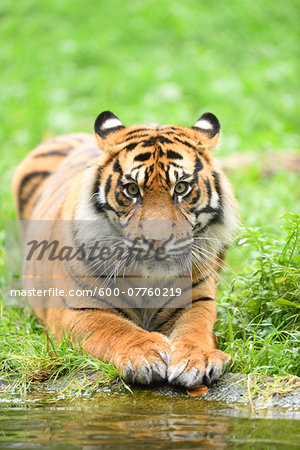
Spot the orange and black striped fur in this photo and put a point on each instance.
(140, 173)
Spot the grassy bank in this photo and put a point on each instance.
(29, 358)
(259, 309)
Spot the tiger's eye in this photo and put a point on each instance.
(181, 187)
(133, 189)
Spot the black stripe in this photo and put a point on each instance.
(27, 178)
(134, 168)
(51, 153)
(130, 133)
(103, 207)
(119, 310)
(107, 185)
(143, 156)
(201, 280)
(153, 140)
(170, 130)
(146, 176)
(167, 176)
(97, 180)
(217, 183)
(196, 198)
(172, 316)
(208, 187)
(131, 146)
(96, 202)
(198, 168)
(164, 140)
(207, 209)
(98, 205)
(203, 299)
(117, 167)
(173, 155)
(175, 165)
(119, 192)
(165, 305)
(186, 218)
(184, 142)
(150, 142)
(138, 139)
(198, 165)
(217, 213)
(200, 299)
(179, 241)
(118, 198)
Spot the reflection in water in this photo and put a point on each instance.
(120, 420)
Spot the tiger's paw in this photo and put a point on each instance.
(191, 366)
(145, 360)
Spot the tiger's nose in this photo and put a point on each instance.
(158, 243)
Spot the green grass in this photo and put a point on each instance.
(262, 201)
(63, 62)
(259, 311)
(29, 358)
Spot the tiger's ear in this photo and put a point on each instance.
(209, 127)
(105, 124)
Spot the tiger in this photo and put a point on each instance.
(126, 175)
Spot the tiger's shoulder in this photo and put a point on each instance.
(41, 164)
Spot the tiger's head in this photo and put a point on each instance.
(158, 186)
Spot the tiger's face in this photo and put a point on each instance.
(158, 186)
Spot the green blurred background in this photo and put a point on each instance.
(166, 61)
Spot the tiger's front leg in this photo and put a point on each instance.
(195, 358)
(140, 355)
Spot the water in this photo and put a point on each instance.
(161, 419)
